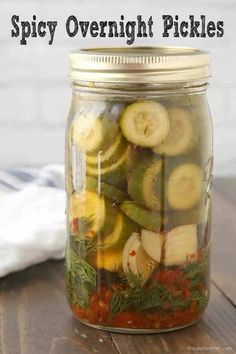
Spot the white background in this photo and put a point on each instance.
(35, 92)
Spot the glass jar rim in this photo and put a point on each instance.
(140, 65)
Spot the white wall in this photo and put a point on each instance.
(35, 93)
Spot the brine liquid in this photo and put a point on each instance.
(139, 211)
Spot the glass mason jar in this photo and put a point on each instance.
(139, 171)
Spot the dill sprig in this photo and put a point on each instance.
(157, 296)
(83, 247)
(196, 272)
(81, 276)
(81, 269)
(119, 302)
(200, 298)
(84, 225)
(131, 278)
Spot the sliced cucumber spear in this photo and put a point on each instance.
(184, 186)
(145, 123)
(144, 184)
(108, 191)
(182, 136)
(181, 245)
(147, 219)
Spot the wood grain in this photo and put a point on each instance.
(224, 238)
(211, 331)
(35, 318)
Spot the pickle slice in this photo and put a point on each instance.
(108, 191)
(95, 214)
(88, 134)
(123, 228)
(181, 137)
(144, 184)
(110, 260)
(89, 209)
(91, 134)
(147, 219)
(184, 217)
(184, 186)
(145, 123)
(113, 173)
(109, 155)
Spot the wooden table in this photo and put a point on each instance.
(35, 318)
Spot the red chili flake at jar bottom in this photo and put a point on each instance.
(140, 320)
(98, 314)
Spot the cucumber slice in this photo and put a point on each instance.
(147, 219)
(110, 260)
(192, 216)
(89, 208)
(139, 262)
(95, 214)
(113, 173)
(145, 123)
(88, 134)
(92, 133)
(124, 227)
(144, 184)
(184, 186)
(110, 155)
(108, 191)
(152, 243)
(152, 185)
(181, 245)
(181, 137)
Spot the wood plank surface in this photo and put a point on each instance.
(215, 330)
(35, 318)
(224, 237)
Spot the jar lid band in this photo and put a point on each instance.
(140, 65)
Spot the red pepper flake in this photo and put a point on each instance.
(75, 227)
(98, 313)
(101, 304)
(133, 253)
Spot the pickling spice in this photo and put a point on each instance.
(139, 206)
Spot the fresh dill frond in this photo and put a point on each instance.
(82, 269)
(119, 302)
(81, 276)
(83, 247)
(130, 278)
(84, 224)
(200, 298)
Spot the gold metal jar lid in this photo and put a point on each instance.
(140, 65)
